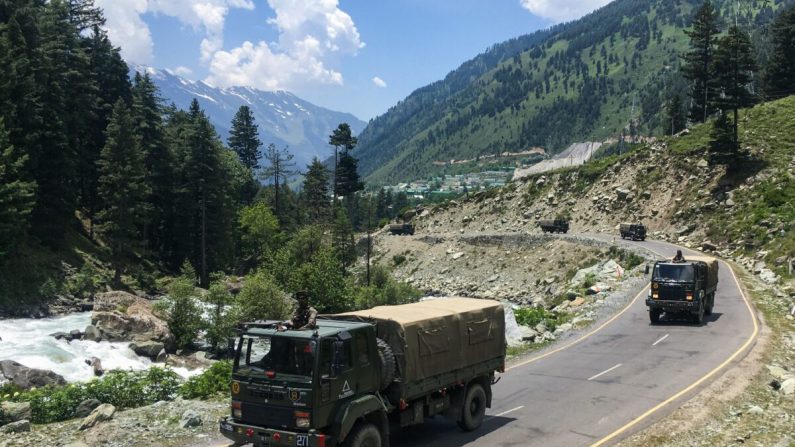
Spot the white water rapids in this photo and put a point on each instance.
(28, 341)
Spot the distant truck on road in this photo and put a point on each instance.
(401, 228)
(554, 225)
(683, 288)
(358, 375)
(633, 231)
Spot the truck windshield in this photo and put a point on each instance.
(266, 355)
(673, 272)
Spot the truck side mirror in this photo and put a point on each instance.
(338, 358)
(646, 270)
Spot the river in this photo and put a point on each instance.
(27, 341)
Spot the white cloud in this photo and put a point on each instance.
(562, 10)
(125, 26)
(379, 82)
(312, 34)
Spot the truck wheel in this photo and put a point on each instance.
(388, 363)
(654, 315)
(474, 408)
(698, 318)
(364, 435)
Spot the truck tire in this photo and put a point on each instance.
(388, 363)
(698, 318)
(364, 435)
(474, 408)
(654, 315)
(708, 309)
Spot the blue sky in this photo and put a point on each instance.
(358, 56)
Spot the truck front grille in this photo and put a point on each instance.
(267, 416)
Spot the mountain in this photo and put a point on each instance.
(586, 80)
(283, 118)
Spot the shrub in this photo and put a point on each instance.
(398, 259)
(260, 299)
(531, 316)
(213, 381)
(184, 315)
(219, 324)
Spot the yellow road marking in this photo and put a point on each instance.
(657, 407)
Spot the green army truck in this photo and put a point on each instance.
(683, 288)
(554, 225)
(357, 376)
(632, 231)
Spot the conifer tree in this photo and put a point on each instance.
(780, 69)
(698, 61)
(341, 137)
(158, 162)
(316, 193)
(244, 138)
(16, 195)
(342, 239)
(675, 115)
(281, 166)
(122, 188)
(734, 67)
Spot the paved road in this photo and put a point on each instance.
(617, 379)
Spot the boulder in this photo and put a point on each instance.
(115, 300)
(15, 411)
(138, 323)
(708, 246)
(60, 336)
(75, 335)
(96, 365)
(788, 386)
(622, 193)
(102, 413)
(16, 427)
(92, 333)
(85, 408)
(576, 302)
(149, 348)
(190, 418)
(26, 378)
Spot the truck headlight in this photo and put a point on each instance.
(655, 295)
(689, 296)
(302, 419)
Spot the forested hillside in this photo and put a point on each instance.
(610, 72)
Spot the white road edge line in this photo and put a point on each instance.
(661, 339)
(605, 372)
(508, 411)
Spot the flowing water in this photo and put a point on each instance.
(27, 341)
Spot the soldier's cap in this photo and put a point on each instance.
(302, 295)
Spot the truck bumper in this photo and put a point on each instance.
(260, 436)
(673, 306)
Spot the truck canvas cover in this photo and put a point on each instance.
(712, 267)
(439, 335)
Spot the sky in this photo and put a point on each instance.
(357, 56)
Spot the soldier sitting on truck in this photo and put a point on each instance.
(305, 317)
(679, 257)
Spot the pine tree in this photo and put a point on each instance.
(734, 66)
(342, 239)
(722, 145)
(16, 195)
(244, 138)
(316, 193)
(341, 137)
(147, 114)
(780, 69)
(122, 188)
(281, 166)
(698, 66)
(675, 115)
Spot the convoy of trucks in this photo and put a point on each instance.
(683, 287)
(359, 375)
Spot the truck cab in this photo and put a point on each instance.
(554, 225)
(290, 387)
(683, 288)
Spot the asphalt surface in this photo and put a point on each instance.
(609, 383)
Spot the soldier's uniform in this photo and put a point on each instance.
(305, 316)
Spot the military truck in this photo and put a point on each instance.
(401, 228)
(683, 288)
(632, 231)
(554, 225)
(359, 375)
